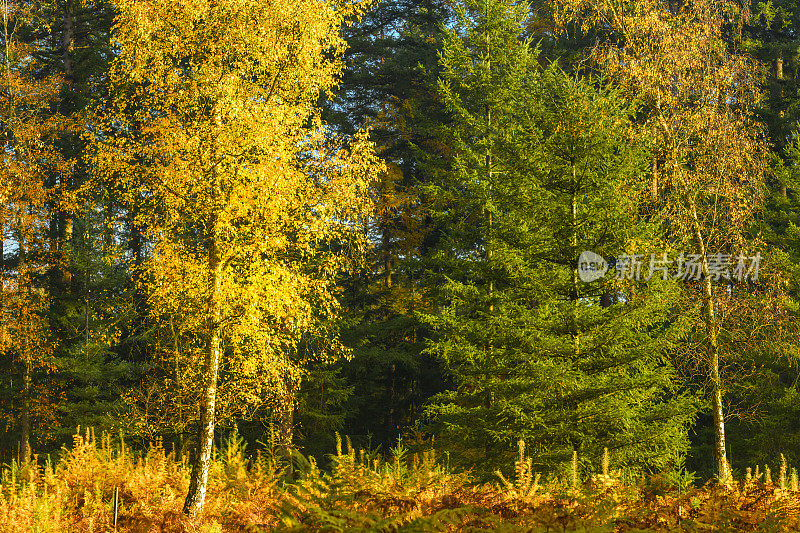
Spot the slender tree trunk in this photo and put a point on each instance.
(195, 499)
(2, 265)
(2, 205)
(25, 418)
(488, 242)
(64, 217)
(723, 469)
(709, 318)
(654, 182)
(576, 339)
(198, 484)
(387, 257)
(202, 460)
(25, 333)
(137, 250)
(68, 39)
(87, 310)
(489, 261)
(286, 422)
(490, 220)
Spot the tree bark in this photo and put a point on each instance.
(195, 499)
(198, 484)
(25, 418)
(137, 249)
(64, 217)
(286, 422)
(654, 182)
(387, 257)
(25, 415)
(489, 242)
(68, 39)
(576, 339)
(709, 318)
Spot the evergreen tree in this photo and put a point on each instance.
(698, 98)
(538, 173)
(389, 84)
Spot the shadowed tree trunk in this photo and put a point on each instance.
(25, 418)
(64, 216)
(25, 415)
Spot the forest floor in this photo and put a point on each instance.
(410, 493)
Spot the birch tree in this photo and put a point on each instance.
(249, 201)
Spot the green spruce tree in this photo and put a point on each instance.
(541, 170)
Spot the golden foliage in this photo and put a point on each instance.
(28, 128)
(250, 200)
(699, 96)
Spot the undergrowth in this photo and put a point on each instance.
(361, 491)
